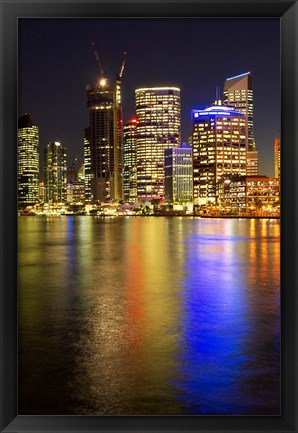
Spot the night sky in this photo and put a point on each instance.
(56, 61)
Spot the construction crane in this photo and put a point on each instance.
(101, 71)
(122, 66)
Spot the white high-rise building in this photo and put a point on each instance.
(238, 93)
(158, 128)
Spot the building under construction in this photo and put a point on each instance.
(105, 136)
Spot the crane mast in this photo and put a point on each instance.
(122, 67)
(100, 68)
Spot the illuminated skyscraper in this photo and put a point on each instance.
(178, 174)
(158, 128)
(28, 161)
(55, 172)
(87, 165)
(130, 161)
(219, 149)
(277, 158)
(238, 93)
(105, 115)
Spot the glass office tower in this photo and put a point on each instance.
(178, 174)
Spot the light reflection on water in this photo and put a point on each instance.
(153, 316)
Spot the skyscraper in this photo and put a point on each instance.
(55, 171)
(178, 174)
(219, 149)
(87, 165)
(277, 158)
(238, 93)
(105, 116)
(28, 161)
(130, 161)
(158, 128)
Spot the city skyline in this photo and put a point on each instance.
(149, 269)
(65, 115)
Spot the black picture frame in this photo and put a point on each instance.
(287, 11)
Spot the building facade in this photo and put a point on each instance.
(277, 158)
(55, 173)
(105, 137)
(41, 192)
(219, 149)
(87, 165)
(238, 93)
(252, 163)
(130, 161)
(28, 161)
(76, 192)
(158, 128)
(178, 175)
(250, 194)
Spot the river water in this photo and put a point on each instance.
(149, 316)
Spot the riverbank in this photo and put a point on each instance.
(161, 215)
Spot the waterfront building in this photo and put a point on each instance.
(28, 161)
(55, 172)
(248, 193)
(238, 93)
(219, 149)
(277, 158)
(87, 165)
(76, 191)
(178, 174)
(105, 137)
(130, 161)
(158, 128)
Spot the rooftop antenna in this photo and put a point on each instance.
(217, 95)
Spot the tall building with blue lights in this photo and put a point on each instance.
(219, 149)
(178, 174)
(238, 93)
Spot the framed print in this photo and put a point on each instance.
(148, 216)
